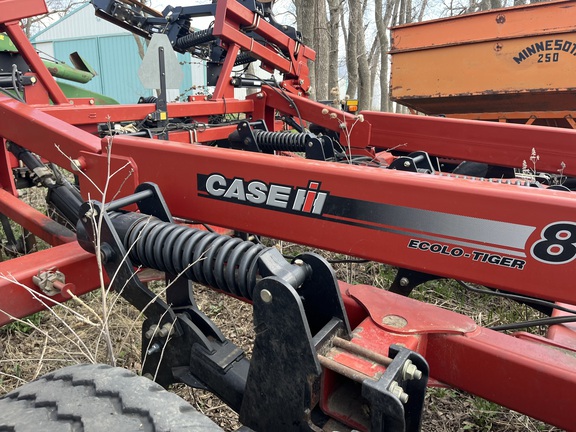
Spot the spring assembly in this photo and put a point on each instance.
(194, 39)
(147, 99)
(222, 262)
(244, 58)
(281, 141)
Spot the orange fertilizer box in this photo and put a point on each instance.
(517, 59)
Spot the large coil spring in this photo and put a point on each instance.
(280, 141)
(244, 58)
(147, 99)
(194, 39)
(222, 262)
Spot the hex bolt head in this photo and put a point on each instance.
(298, 262)
(410, 371)
(266, 296)
(260, 95)
(150, 332)
(404, 281)
(407, 164)
(166, 330)
(398, 391)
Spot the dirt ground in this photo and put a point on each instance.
(72, 334)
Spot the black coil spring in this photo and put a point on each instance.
(194, 39)
(147, 99)
(280, 141)
(222, 262)
(244, 58)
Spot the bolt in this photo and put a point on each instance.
(410, 371)
(106, 253)
(266, 296)
(154, 348)
(404, 281)
(310, 144)
(301, 82)
(407, 164)
(260, 95)
(91, 213)
(76, 165)
(151, 331)
(398, 391)
(91, 102)
(165, 330)
(298, 262)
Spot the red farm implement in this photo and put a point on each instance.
(434, 197)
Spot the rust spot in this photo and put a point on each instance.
(500, 18)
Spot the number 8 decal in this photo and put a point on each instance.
(557, 244)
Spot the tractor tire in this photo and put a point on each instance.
(97, 398)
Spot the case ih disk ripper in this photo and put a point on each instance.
(446, 201)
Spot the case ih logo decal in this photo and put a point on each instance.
(274, 196)
(459, 237)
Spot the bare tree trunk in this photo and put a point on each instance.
(334, 7)
(140, 42)
(306, 22)
(343, 22)
(322, 47)
(382, 22)
(364, 89)
(355, 22)
(422, 10)
(374, 59)
(298, 7)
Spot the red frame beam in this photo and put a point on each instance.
(78, 266)
(489, 211)
(34, 221)
(492, 143)
(520, 374)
